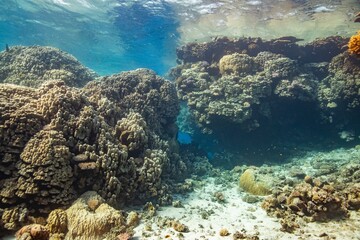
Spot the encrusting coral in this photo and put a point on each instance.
(354, 44)
(31, 66)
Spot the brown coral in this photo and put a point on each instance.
(57, 222)
(105, 221)
(316, 202)
(33, 232)
(31, 66)
(57, 142)
(354, 44)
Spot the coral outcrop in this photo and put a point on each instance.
(89, 217)
(31, 66)
(312, 200)
(115, 136)
(242, 90)
(249, 89)
(339, 92)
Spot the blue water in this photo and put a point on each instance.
(127, 37)
(149, 36)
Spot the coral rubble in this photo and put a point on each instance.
(313, 200)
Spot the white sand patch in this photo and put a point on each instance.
(236, 215)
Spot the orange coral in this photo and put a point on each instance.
(354, 44)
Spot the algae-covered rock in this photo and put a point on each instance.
(31, 66)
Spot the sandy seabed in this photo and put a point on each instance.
(205, 216)
(236, 215)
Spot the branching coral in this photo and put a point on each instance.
(354, 44)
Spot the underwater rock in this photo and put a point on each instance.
(31, 66)
(57, 142)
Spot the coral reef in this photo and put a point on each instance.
(80, 221)
(245, 90)
(57, 223)
(313, 200)
(213, 51)
(237, 64)
(268, 90)
(338, 93)
(354, 44)
(57, 142)
(31, 66)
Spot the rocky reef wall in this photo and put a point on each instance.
(270, 91)
(115, 136)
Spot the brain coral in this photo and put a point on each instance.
(31, 66)
(57, 142)
(239, 64)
